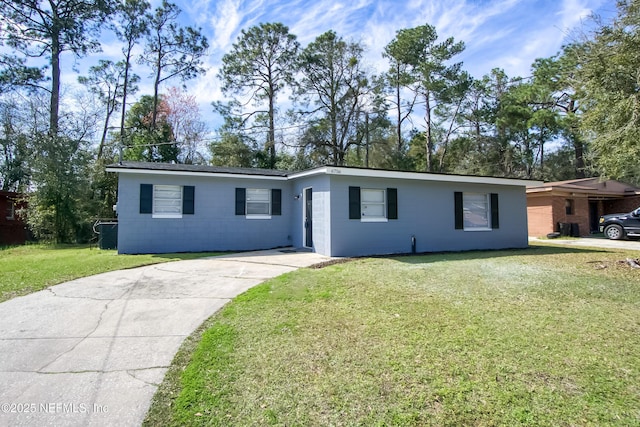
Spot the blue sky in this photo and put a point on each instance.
(507, 34)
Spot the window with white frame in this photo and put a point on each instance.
(258, 202)
(373, 204)
(476, 208)
(167, 201)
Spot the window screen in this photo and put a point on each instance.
(258, 201)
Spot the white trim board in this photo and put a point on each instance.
(194, 173)
(414, 176)
(342, 171)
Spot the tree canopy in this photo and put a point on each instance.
(46, 29)
(609, 78)
(293, 106)
(259, 66)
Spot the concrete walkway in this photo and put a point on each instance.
(592, 242)
(93, 351)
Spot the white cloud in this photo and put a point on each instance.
(508, 34)
(198, 11)
(472, 23)
(572, 13)
(225, 22)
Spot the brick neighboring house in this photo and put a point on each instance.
(577, 201)
(13, 231)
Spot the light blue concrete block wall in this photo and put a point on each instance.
(426, 211)
(214, 225)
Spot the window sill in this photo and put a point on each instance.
(374, 219)
(258, 216)
(166, 216)
(478, 229)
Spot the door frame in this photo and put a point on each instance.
(304, 217)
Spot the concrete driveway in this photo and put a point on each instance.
(93, 351)
(592, 242)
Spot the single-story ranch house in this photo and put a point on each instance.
(335, 211)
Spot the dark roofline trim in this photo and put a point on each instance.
(417, 172)
(198, 169)
(204, 170)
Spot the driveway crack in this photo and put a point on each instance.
(97, 325)
(96, 371)
(81, 340)
(262, 263)
(131, 373)
(79, 297)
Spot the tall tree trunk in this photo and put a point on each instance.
(156, 85)
(271, 143)
(445, 144)
(579, 150)
(103, 139)
(334, 135)
(541, 157)
(477, 128)
(127, 64)
(398, 101)
(54, 106)
(578, 146)
(528, 158)
(367, 140)
(111, 106)
(429, 147)
(341, 153)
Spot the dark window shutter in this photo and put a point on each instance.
(495, 216)
(354, 203)
(146, 198)
(392, 203)
(458, 210)
(188, 200)
(276, 202)
(241, 196)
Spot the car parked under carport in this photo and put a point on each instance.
(622, 225)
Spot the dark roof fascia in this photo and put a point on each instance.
(578, 186)
(443, 174)
(150, 167)
(190, 169)
(12, 194)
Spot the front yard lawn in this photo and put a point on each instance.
(544, 336)
(30, 268)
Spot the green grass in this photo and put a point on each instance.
(30, 268)
(545, 336)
